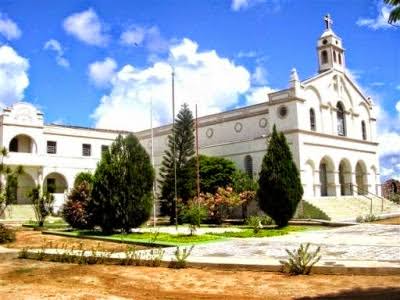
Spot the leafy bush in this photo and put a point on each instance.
(180, 258)
(42, 204)
(280, 188)
(366, 219)
(193, 214)
(395, 198)
(220, 204)
(7, 235)
(121, 197)
(267, 220)
(301, 261)
(75, 209)
(255, 223)
(83, 177)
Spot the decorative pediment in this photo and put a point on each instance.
(23, 113)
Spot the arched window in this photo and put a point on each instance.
(340, 58)
(248, 165)
(363, 131)
(334, 56)
(394, 188)
(324, 57)
(312, 120)
(341, 120)
(14, 145)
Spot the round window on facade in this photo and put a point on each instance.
(324, 42)
(238, 127)
(209, 132)
(263, 123)
(283, 111)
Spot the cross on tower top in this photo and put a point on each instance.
(328, 22)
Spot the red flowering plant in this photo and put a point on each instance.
(220, 204)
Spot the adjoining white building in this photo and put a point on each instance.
(329, 123)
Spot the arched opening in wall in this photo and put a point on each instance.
(363, 131)
(393, 188)
(313, 126)
(324, 57)
(340, 58)
(248, 165)
(22, 143)
(341, 119)
(361, 178)
(345, 177)
(334, 56)
(309, 179)
(25, 185)
(55, 183)
(326, 177)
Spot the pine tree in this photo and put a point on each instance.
(185, 168)
(280, 188)
(121, 197)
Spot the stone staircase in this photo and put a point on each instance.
(19, 212)
(348, 208)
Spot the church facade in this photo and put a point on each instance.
(329, 123)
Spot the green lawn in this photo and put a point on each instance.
(57, 224)
(165, 239)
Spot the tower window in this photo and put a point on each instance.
(324, 57)
(312, 120)
(340, 59)
(341, 120)
(248, 165)
(334, 56)
(363, 131)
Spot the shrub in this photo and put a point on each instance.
(360, 219)
(220, 204)
(42, 204)
(255, 223)
(7, 235)
(83, 177)
(395, 198)
(75, 209)
(181, 256)
(193, 214)
(267, 220)
(280, 188)
(301, 261)
(121, 197)
(368, 218)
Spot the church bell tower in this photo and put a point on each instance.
(330, 49)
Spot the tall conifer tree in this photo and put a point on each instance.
(280, 188)
(185, 169)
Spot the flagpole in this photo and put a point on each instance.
(174, 148)
(197, 158)
(152, 161)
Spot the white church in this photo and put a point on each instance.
(328, 121)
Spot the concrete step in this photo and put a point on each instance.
(348, 208)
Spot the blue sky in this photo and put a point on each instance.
(98, 63)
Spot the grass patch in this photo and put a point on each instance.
(58, 224)
(266, 232)
(311, 212)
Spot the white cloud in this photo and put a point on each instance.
(55, 46)
(258, 95)
(398, 87)
(380, 21)
(13, 75)
(259, 76)
(87, 27)
(239, 4)
(271, 5)
(213, 82)
(247, 54)
(101, 72)
(8, 28)
(148, 37)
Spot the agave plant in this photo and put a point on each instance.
(301, 261)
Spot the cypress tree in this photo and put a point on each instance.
(122, 186)
(185, 168)
(280, 188)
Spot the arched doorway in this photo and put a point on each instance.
(55, 183)
(326, 177)
(345, 178)
(361, 178)
(22, 143)
(25, 186)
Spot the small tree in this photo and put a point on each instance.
(122, 186)
(193, 214)
(75, 210)
(215, 172)
(83, 176)
(185, 167)
(280, 188)
(42, 204)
